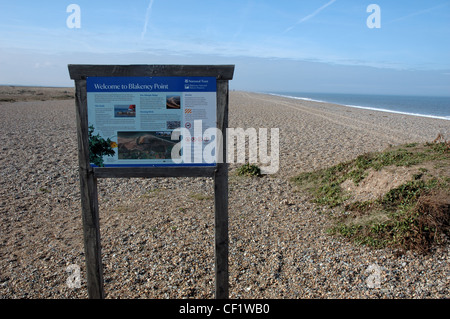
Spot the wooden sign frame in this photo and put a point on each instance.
(89, 175)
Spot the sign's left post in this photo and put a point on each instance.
(89, 198)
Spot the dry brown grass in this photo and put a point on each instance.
(441, 139)
(11, 93)
(398, 198)
(433, 221)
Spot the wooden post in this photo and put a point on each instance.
(89, 199)
(221, 197)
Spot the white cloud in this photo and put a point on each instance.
(39, 65)
(310, 16)
(147, 18)
(419, 13)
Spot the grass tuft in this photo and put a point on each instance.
(414, 215)
(249, 170)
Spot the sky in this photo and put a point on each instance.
(328, 46)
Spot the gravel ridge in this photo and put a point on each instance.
(158, 234)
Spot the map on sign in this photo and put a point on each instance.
(151, 121)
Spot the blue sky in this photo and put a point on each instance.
(307, 46)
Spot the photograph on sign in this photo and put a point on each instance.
(151, 121)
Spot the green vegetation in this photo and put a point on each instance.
(151, 193)
(249, 170)
(44, 190)
(414, 215)
(98, 147)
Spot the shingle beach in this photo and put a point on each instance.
(157, 234)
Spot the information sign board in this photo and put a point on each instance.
(125, 115)
(132, 121)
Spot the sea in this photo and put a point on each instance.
(426, 106)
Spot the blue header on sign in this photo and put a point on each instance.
(151, 84)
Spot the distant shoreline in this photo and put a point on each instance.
(16, 93)
(371, 108)
(37, 86)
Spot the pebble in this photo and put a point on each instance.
(158, 239)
